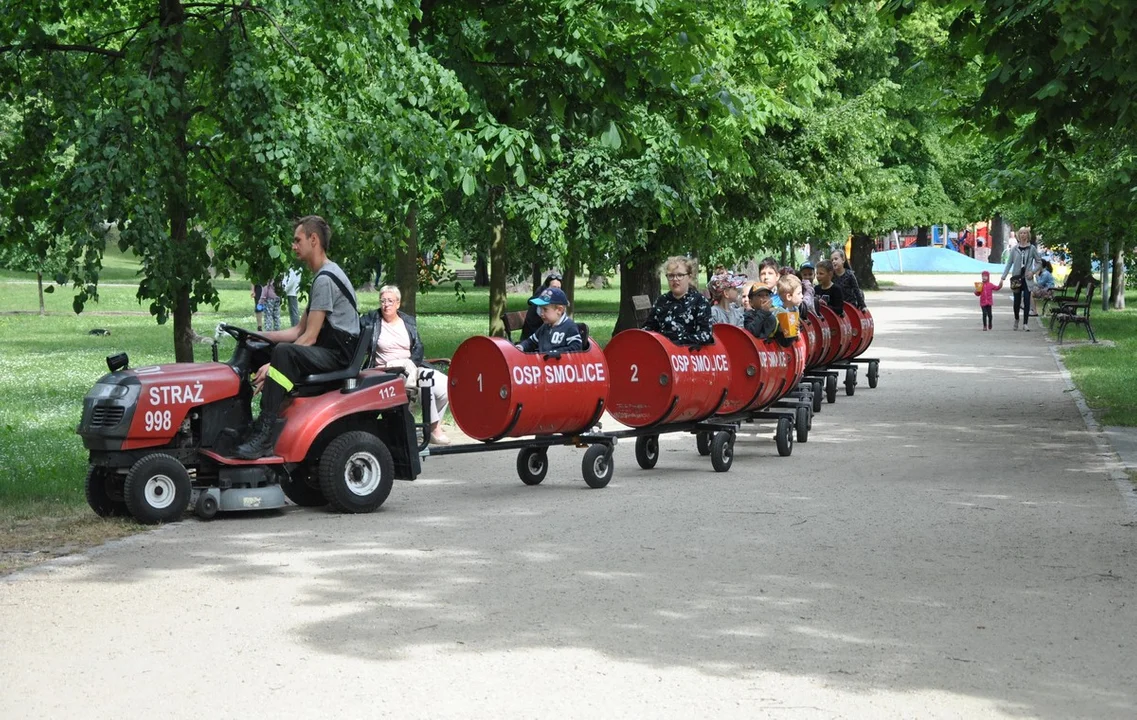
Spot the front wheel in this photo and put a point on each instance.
(356, 472)
(830, 389)
(647, 451)
(785, 436)
(157, 489)
(802, 423)
(874, 373)
(703, 442)
(722, 451)
(104, 494)
(302, 486)
(532, 465)
(598, 466)
(850, 381)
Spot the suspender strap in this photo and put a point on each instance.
(343, 288)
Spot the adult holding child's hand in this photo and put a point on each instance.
(1022, 263)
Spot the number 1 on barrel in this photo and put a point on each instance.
(479, 382)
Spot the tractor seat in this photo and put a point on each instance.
(318, 383)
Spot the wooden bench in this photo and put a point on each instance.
(512, 321)
(642, 306)
(1077, 313)
(1064, 298)
(465, 275)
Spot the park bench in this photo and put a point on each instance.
(465, 275)
(1077, 313)
(1055, 303)
(642, 306)
(512, 321)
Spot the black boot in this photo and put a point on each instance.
(259, 443)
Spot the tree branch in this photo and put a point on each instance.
(56, 47)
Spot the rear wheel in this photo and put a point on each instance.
(851, 381)
(104, 492)
(356, 472)
(830, 389)
(801, 423)
(647, 451)
(874, 373)
(722, 451)
(703, 442)
(157, 489)
(532, 465)
(598, 466)
(785, 436)
(816, 396)
(302, 486)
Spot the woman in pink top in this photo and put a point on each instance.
(986, 292)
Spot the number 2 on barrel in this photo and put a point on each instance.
(635, 373)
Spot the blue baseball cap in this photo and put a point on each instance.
(805, 265)
(551, 296)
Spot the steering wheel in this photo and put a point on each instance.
(241, 335)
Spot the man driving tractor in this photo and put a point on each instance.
(323, 341)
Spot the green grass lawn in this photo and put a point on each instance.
(1104, 373)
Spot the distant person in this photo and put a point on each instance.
(807, 273)
(682, 315)
(558, 333)
(844, 278)
(532, 317)
(724, 294)
(271, 303)
(759, 320)
(291, 287)
(827, 291)
(1022, 263)
(985, 290)
(258, 306)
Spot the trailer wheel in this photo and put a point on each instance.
(647, 451)
(817, 391)
(99, 493)
(785, 436)
(598, 466)
(830, 389)
(356, 472)
(302, 486)
(801, 424)
(703, 442)
(722, 451)
(851, 381)
(206, 506)
(532, 465)
(157, 489)
(874, 373)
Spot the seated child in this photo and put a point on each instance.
(806, 275)
(1044, 282)
(759, 320)
(558, 333)
(828, 291)
(789, 289)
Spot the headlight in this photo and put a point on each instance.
(107, 391)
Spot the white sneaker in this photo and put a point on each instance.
(1016, 327)
(439, 438)
(1026, 328)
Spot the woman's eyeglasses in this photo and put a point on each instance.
(676, 276)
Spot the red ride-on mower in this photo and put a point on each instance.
(161, 438)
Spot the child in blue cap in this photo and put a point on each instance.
(558, 333)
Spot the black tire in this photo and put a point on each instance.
(157, 489)
(598, 466)
(302, 486)
(722, 451)
(647, 451)
(874, 374)
(206, 506)
(703, 442)
(785, 436)
(850, 381)
(830, 389)
(356, 472)
(100, 495)
(817, 390)
(801, 424)
(532, 465)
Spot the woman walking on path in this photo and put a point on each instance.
(1021, 264)
(844, 278)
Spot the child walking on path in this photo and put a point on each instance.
(986, 292)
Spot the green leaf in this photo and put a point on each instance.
(468, 184)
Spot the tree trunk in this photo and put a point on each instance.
(537, 277)
(638, 276)
(481, 270)
(171, 15)
(996, 236)
(39, 283)
(406, 261)
(1117, 291)
(1081, 262)
(569, 283)
(499, 268)
(861, 261)
(923, 239)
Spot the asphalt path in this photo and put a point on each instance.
(950, 544)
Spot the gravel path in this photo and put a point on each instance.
(948, 545)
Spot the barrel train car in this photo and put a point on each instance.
(511, 400)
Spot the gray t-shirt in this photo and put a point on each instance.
(327, 296)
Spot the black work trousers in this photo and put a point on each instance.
(289, 363)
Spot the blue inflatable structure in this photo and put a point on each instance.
(930, 259)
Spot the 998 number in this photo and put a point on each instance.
(157, 420)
